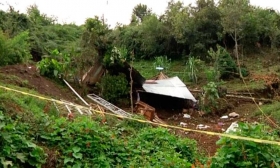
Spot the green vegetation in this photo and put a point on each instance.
(207, 42)
(270, 110)
(56, 65)
(14, 50)
(209, 98)
(113, 87)
(237, 153)
(17, 149)
(32, 134)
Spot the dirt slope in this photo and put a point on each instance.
(27, 76)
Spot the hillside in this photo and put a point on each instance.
(226, 52)
(27, 78)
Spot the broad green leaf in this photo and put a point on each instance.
(21, 157)
(55, 72)
(66, 160)
(77, 165)
(30, 144)
(7, 164)
(2, 125)
(78, 155)
(76, 149)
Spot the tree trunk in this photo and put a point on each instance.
(131, 83)
(236, 54)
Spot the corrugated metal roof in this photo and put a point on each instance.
(170, 87)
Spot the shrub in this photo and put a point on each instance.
(240, 153)
(163, 62)
(14, 50)
(113, 87)
(223, 63)
(210, 97)
(55, 65)
(87, 143)
(212, 75)
(192, 68)
(17, 150)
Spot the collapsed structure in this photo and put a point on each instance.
(163, 92)
(160, 92)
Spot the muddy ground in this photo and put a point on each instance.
(27, 76)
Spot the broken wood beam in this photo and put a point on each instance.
(250, 98)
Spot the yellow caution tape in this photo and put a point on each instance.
(145, 121)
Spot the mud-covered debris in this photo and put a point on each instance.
(186, 116)
(233, 115)
(232, 128)
(183, 124)
(201, 126)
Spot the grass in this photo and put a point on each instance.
(238, 85)
(148, 70)
(14, 79)
(178, 68)
(272, 110)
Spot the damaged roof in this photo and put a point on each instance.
(173, 87)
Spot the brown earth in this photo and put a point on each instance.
(27, 76)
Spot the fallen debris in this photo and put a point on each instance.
(250, 98)
(221, 123)
(233, 115)
(186, 116)
(232, 128)
(75, 92)
(224, 117)
(145, 110)
(183, 124)
(201, 126)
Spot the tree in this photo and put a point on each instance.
(94, 44)
(233, 12)
(12, 22)
(206, 27)
(141, 11)
(268, 26)
(177, 16)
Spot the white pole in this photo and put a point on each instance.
(75, 92)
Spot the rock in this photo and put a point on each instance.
(233, 115)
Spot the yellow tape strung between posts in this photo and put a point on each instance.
(144, 121)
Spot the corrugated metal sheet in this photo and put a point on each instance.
(94, 74)
(173, 87)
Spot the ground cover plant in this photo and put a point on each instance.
(33, 134)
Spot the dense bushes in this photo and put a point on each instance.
(14, 50)
(224, 65)
(113, 87)
(88, 143)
